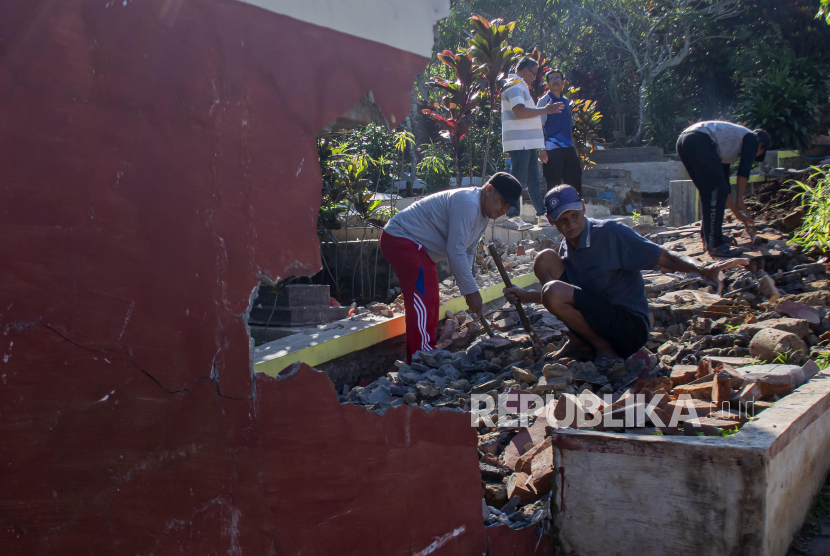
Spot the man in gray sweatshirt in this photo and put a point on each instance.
(448, 224)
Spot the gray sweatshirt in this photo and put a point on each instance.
(449, 224)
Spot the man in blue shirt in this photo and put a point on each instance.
(560, 159)
(594, 282)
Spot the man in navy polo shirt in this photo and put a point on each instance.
(594, 282)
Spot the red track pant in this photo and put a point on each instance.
(419, 286)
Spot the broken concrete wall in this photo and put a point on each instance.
(159, 156)
(746, 494)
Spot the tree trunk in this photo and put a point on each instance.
(641, 126)
(487, 147)
(470, 153)
(457, 168)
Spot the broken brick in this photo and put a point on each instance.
(495, 494)
(722, 387)
(519, 484)
(569, 411)
(700, 408)
(523, 463)
(749, 393)
(698, 391)
(683, 374)
(704, 368)
(523, 375)
(800, 311)
(550, 385)
(542, 471)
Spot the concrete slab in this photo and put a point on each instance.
(653, 177)
(655, 495)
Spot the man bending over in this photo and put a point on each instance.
(447, 224)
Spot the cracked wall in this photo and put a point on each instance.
(158, 156)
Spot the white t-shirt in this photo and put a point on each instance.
(519, 134)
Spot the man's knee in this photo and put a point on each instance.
(547, 261)
(556, 294)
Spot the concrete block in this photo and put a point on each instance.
(594, 210)
(302, 295)
(297, 316)
(683, 203)
(769, 343)
(653, 177)
(744, 494)
(628, 155)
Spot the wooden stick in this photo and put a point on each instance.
(487, 326)
(534, 338)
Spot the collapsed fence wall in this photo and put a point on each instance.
(161, 156)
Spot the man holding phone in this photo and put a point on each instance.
(522, 135)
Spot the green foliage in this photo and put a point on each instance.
(586, 125)
(663, 100)
(436, 167)
(539, 86)
(493, 57)
(783, 102)
(459, 99)
(824, 11)
(814, 233)
(347, 187)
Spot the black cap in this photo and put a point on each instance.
(509, 188)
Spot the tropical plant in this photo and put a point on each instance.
(488, 50)
(459, 100)
(814, 233)
(586, 125)
(783, 103)
(436, 167)
(539, 86)
(824, 11)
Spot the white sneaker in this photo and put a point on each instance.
(520, 224)
(543, 221)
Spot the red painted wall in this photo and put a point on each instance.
(155, 157)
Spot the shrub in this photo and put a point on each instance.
(785, 103)
(814, 233)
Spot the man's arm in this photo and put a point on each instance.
(541, 104)
(462, 223)
(680, 263)
(522, 112)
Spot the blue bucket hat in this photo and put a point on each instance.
(561, 198)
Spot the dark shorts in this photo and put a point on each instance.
(625, 330)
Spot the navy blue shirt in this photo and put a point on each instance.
(558, 127)
(607, 263)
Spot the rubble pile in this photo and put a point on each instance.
(711, 364)
(729, 356)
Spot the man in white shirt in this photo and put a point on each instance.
(522, 135)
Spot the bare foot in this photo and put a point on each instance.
(576, 349)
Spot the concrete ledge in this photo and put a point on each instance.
(654, 495)
(343, 337)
